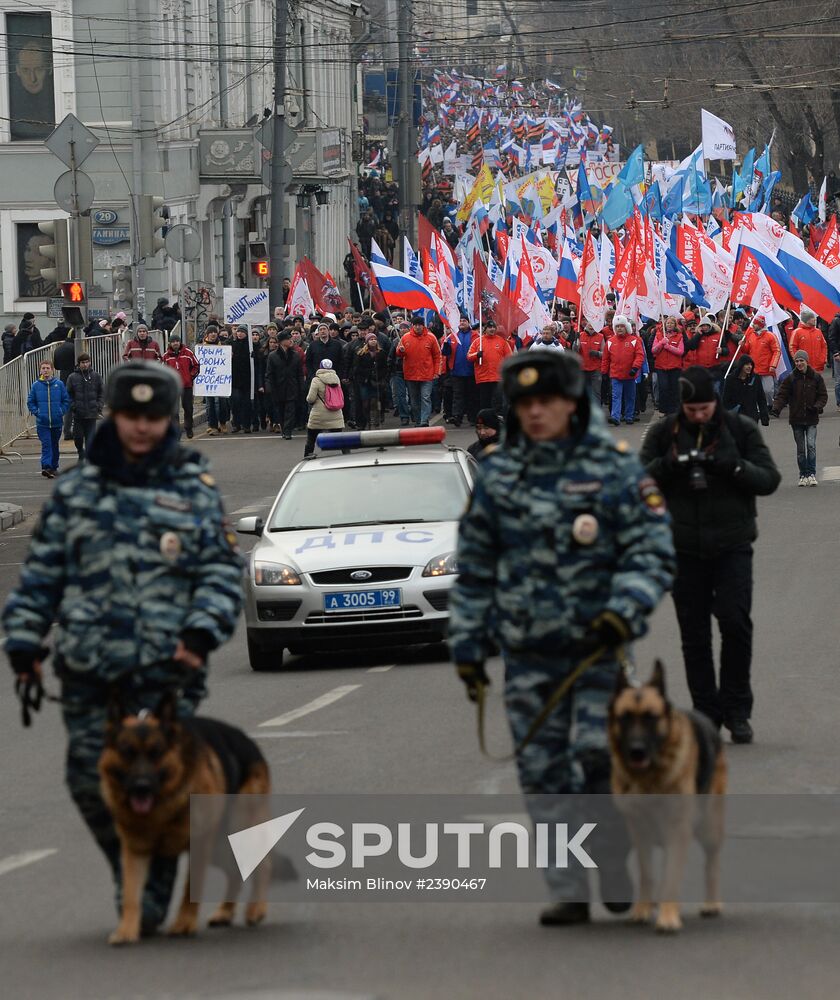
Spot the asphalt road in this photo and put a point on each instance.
(406, 727)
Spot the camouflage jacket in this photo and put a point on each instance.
(126, 564)
(555, 533)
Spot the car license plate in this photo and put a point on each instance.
(361, 600)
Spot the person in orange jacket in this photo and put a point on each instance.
(809, 338)
(623, 358)
(763, 348)
(488, 352)
(420, 352)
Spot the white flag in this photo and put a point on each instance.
(718, 137)
(300, 301)
(436, 153)
(823, 201)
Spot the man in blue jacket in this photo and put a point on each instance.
(461, 371)
(48, 402)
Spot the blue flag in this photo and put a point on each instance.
(618, 207)
(672, 203)
(680, 281)
(633, 171)
(653, 201)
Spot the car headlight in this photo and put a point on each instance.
(275, 575)
(441, 565)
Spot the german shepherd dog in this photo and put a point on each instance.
(151, 765)
(658, 750)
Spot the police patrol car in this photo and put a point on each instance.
(359, 548)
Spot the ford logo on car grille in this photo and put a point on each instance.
(361, 574)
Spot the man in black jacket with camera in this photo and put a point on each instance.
(711, 464)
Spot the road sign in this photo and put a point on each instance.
(72, 142)
(63, 192)
(183, 243)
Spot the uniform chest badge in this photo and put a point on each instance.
(170, 546)
(585, 529)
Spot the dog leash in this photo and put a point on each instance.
(556, 697)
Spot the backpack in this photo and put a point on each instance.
(334, 397)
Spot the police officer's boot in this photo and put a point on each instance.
(565, 913)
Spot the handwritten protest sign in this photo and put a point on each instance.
(246, 305)
(216, 373)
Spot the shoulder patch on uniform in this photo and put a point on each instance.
(207, 479)
(651, 495)
(583, 488)
(172, 503)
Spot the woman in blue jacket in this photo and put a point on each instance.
(48, 401)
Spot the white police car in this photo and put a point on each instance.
(359, 548)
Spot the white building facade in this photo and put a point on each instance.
(175, 92)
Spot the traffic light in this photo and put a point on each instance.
(75, 309)
(58, 251)
(258, 258)
(153, 216)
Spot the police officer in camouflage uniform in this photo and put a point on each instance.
(133, 560)
(564, 550)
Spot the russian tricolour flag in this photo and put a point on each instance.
(567, 277)
(398, 289)
(818, 285)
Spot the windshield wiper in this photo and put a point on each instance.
(296, 527)
(397, 520)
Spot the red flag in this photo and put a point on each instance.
(494, 303)
(425, 232)
(365, 278)
(322, 288)
(828, 252)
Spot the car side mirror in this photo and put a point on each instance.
(250, 526)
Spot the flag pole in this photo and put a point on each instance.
(723, 328)
(480, 333)
(361, 300)
(735, 355)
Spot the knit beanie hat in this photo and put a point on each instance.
(807, 317)
(697, 386)
(801, 356)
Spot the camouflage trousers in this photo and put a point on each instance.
(85, 710)
(568, 755)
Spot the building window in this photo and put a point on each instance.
(30, 76)
(472, 8)
(28, 241)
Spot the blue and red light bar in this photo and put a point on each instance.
(380, 439)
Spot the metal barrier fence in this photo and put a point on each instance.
(17, 376)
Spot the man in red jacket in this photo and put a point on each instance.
(186, 365)
(142, 347)
(622, 361)
(763, 348)
(420, 352)
(808, 337)
(488, 352)
(591, 348)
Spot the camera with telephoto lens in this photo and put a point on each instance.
(694, 460)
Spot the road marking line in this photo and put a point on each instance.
(311, 706)
(380, 670)
(12, 564)
(255, 506)
(15, 861)
(294, 734)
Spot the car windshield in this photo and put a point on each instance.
(372, 494)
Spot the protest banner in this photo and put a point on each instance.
(216, 375)
(246, 305)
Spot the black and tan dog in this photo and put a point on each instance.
(151, 765)
(657, 750)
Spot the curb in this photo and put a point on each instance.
(10, 515)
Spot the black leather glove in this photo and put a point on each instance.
(634, 372)
(726, 465)
(28, 685)
(608, 630)
(472, 674)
